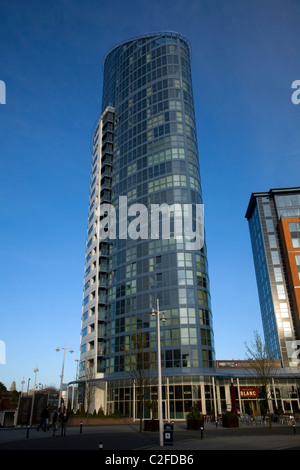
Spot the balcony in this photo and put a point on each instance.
(101, 313)
(103, 281)
(104, 250)
(107, 155)
(106, 183)
(100, 349)
(102, 298)
(101, 330)
(105, 195)
(107, 138)
(106, 171)
(103, 267)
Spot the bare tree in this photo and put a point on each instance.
(137, 366)
(89, 385)
(262, 368)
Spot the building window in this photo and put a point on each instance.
(284, 310)
(270, 225)
(280, 291)
(297, 258)
(295, 233)
(278, 275)
(206, 337)
(267, 210)
(272, 241)
(275, 257)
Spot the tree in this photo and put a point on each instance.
(261, 368)
(137, 366)
(89, 385)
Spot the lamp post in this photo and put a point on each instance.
(159, 316)
(35, 374)
(62, 371)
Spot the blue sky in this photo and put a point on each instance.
(245, 56)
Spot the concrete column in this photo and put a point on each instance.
(203, 402)
(228, 397)
(214, 396)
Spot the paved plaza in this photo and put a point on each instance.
(127, 438)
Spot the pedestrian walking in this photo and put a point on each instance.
(44, 419)
(64, 420)
(56, 421)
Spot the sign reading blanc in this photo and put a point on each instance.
(183, 222)
(2, 92)
(249, 392)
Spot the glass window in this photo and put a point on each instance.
(267, 210)
(270, 225)
(295, 233)
(280, 291)
(284, 309)
(181, 277)
(183, 315)
(272, 241)
(278, 274)
(85, 315)
(204, 317)
(275, 257)
(297, 258)
(206, 337)
(184, 334)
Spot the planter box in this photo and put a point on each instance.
(195, 424)
(231, 421)
(151, 425)
(74, 421)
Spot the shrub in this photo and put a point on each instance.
(194, 413)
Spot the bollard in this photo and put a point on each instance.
(294, 428)
(201, 433)
(80, 427)
(27, 433)
(100, 447)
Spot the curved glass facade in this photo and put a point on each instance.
(145, 150)
(148, 82)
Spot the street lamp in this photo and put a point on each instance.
(62, 371)
(35, 372)
(159, 316)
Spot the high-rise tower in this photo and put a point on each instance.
(274, 223)
(145, 152)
